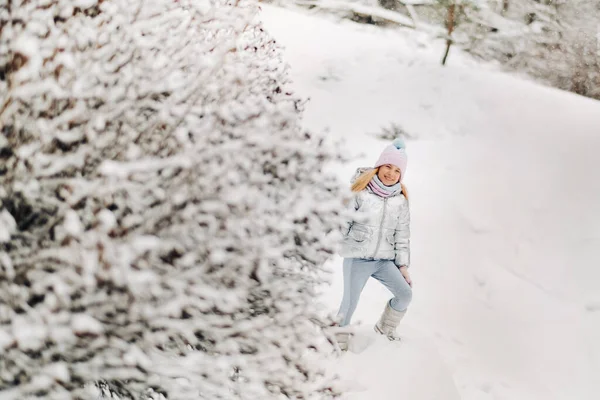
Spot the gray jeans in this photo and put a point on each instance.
(356, 274)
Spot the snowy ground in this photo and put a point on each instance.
(505, 201)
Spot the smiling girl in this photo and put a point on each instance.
(377, 240)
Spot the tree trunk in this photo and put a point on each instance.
(505, 4)
(450, 22)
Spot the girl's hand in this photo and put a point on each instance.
(406, 275)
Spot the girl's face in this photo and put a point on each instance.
(389, 174)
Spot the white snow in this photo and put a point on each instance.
(49, 166)
(82, 323)
(28, 46)
(58, 371)
(72, 224)
(29, 334)
(107, 219)
(7, 226)
(6, 264)
(41, 383)
(505, 203)
(410, 369)
(5, 340)
(121, 169)
(145, 243)
(135, 356)
(85, 4)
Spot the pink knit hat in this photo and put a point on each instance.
(394, 154)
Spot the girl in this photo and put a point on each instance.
(377, 240)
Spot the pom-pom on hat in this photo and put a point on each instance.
(394, 154)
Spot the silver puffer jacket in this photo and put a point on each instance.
(378, 228)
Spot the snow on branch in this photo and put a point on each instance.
(364, 10)
(163, 217)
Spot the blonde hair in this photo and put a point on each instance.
(363, 180)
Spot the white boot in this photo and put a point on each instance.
(388, 322)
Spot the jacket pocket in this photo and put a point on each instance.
(358, 233)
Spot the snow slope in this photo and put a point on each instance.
(410, 369)
(505, 202)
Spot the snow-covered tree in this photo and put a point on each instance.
(556, 41)
(575, 61)
(163, 218)
(454, 10)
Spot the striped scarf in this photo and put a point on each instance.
(384, 191)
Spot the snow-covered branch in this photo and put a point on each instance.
(363, 10)
(163, 218)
